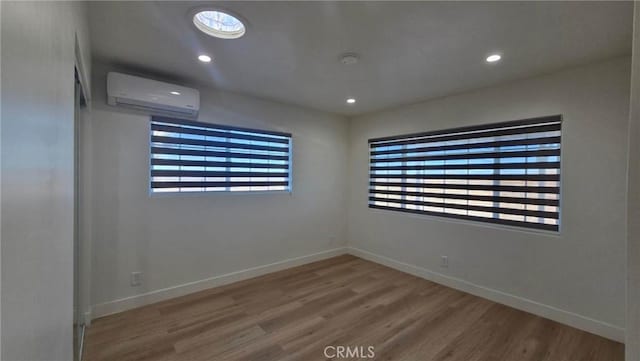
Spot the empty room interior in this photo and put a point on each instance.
(322, 180)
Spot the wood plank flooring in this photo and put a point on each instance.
(294, 314)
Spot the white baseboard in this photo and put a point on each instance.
(88, 317)
(600, 328)
(131, 302)
(569, 318)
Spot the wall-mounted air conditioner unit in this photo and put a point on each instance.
(154, 97)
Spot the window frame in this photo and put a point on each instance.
(466, 219)
(205, 193)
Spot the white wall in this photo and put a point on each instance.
(176, 239)
(580, 270)
(37, 176)
(632, 346)
(0, 184)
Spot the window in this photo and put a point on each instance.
(219, 24)
(506, 173)
(189, 156)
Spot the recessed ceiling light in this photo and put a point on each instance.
(351, 101)
(204, 58)
(219, 24)
(175, 93)
(349, 58)
(493, 58)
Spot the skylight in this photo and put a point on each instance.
(219, 24)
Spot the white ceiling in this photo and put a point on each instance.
(409, 51)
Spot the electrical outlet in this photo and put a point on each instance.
(444, 261)
(136, 279)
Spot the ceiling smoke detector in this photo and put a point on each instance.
(349, 58)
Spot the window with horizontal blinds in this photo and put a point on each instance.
(505, 173)
(188, 156)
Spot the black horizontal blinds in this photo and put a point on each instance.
(188, 156)
(506, 173)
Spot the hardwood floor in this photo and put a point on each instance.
(294, 314)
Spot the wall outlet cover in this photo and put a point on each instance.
(136, 279)
(444, 261)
